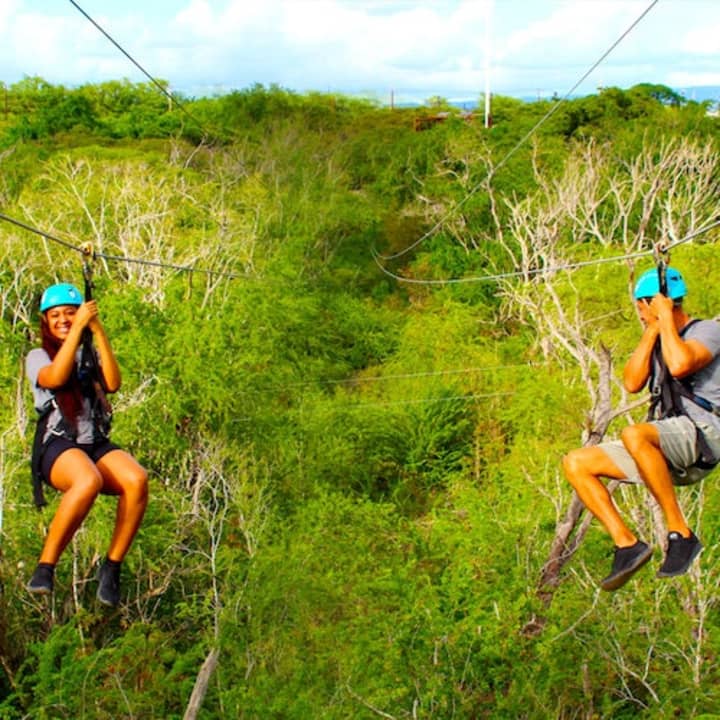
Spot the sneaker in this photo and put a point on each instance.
(681, 551)
(108, 592)
(628, 560)
(43, 579)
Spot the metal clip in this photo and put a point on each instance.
(661, 252)
(89, 259)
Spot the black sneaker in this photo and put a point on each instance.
(681, 551)
(108, 592)
(43, 579)
(628, 560)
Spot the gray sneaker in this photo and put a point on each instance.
(627, 561)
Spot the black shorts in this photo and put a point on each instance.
(59, 445)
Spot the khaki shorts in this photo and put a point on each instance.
(678, 442)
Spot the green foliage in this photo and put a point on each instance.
(354, 482)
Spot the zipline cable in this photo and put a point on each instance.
(24, 226)
(171, 266)
(359, 380)
(422, 401)
(692, 235)
(83, 250)
(150, 77)
(376, 256)
(120, 258)
(543, 270)
(519, 144)
(417, 281)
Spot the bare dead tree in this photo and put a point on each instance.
(19, 286)
(667, 190)
(133, 212)
(213, 494)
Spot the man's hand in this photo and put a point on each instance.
(661, 307)
(648, 317)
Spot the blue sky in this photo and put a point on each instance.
(411, 48)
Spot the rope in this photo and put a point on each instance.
(171, 266)
(514, 273)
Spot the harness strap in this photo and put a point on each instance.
(38, 448)
(89, 370)
(40, 445)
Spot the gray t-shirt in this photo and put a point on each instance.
(706, 381)
(35, 361)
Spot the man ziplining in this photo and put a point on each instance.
(679, 360)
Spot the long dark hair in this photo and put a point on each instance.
(69, 396)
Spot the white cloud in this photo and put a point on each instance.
(702, 41)
(8, 8)
(432, 46)
(693, 79)
(196, 19)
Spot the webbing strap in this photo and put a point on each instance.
(40, 444)
(36, 458)
(90, 375)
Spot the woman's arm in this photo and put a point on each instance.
(108, 362)
(57, 373)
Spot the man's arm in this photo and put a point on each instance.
(682, 357)
(637, 368)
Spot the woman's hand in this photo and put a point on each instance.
(87, 315)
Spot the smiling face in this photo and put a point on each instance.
(59, 320)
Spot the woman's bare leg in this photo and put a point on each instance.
(77, 477)
(123, 476)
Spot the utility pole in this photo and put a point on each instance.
(488, 49)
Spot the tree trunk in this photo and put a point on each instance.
(201, 685)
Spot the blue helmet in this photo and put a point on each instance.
(60, 294)
(649, 284)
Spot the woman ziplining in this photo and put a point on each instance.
(72, 452)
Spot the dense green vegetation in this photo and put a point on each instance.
(355, 481)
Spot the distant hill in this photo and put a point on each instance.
(696, 94)
(701, 93)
